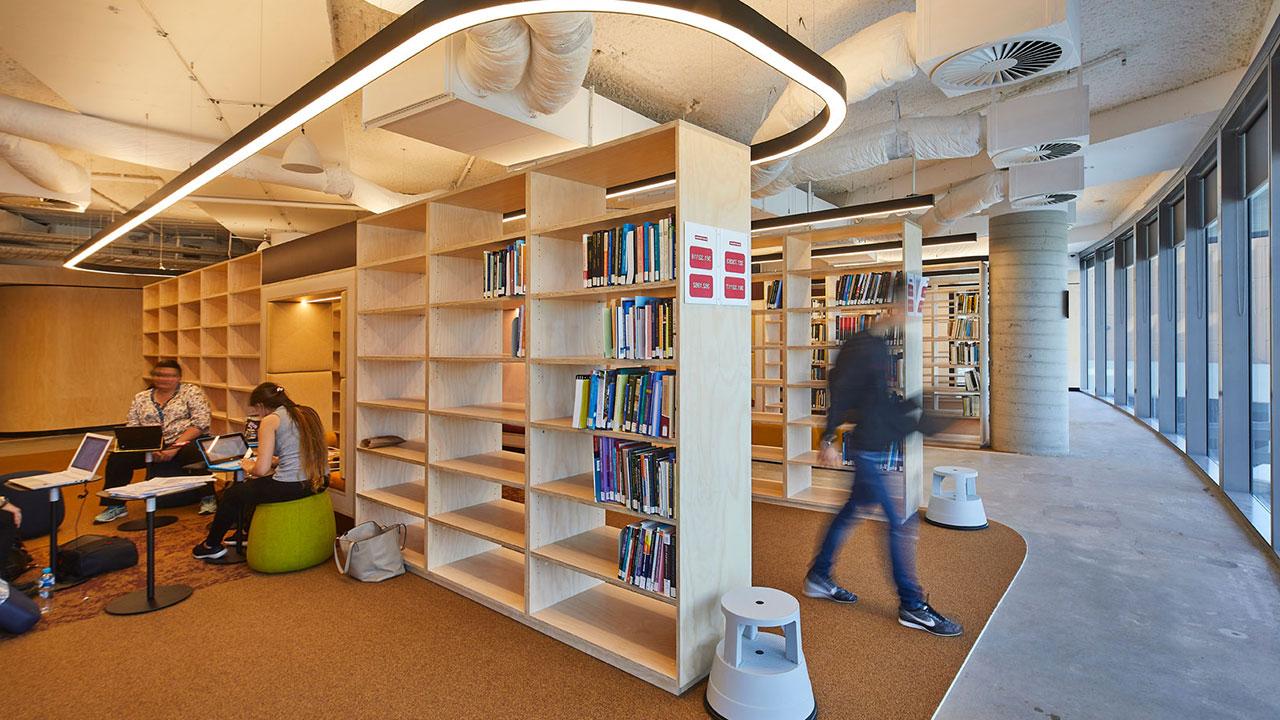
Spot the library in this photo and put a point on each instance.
(526, 358)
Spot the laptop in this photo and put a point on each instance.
(139, 438)
(223, 452)
(84, 465)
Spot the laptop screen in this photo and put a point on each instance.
(90, 453)
(222, 448)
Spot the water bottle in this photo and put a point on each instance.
(46, 591)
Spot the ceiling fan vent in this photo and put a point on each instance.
(997, 64)
(1043, 200)
(1040, 152)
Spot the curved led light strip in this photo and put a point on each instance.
(433, 20)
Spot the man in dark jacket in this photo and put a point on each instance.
(860, 392)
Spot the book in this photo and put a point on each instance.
(636, 475)
(504, 271)
(630, 254)
(646, 556)
(639, 328)
(869, 288)
(635, 400)
(773, 295)
(517, 332)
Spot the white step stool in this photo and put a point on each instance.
(760, 676)
(960, 508)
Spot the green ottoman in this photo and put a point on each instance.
(293, 535)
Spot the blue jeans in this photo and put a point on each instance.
(869, 489)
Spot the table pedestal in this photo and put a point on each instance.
(152, 598)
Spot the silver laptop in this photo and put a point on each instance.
(84, 465)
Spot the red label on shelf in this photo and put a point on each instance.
(735, 288)
(701, 258)
(735, 262)
(701, 286)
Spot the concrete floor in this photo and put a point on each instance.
(1141, 596)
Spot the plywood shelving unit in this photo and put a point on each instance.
(785, 470)
(955, 344)
(521, 532)
(209, 321)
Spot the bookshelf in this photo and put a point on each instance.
(788, 416)
(955, 345)
(437, 363)
(208, 320)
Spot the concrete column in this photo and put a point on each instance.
(1028, 343)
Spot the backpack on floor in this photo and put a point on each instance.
(92, 555)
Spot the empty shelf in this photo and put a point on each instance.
(500, 466)
(500, 521)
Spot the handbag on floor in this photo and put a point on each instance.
(371, 551)
(18, 613)
(92, 555)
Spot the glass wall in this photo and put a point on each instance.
(1090, 321)
(1260, 345)
(1180, 337)
(1213, 256)
(1131, 322)
(1109, 311)
(1153, 278)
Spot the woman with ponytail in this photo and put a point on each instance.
(291, 434)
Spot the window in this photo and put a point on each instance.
(1180, 341)
(1131, 323)
(1109, 316)
(1090, 322)
(1213, 247)
(1260, 344)
(1153, 275)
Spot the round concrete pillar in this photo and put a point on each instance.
(1028, 343)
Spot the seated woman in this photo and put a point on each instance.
(291, 433)
(182, 411)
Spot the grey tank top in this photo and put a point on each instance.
(289, 468)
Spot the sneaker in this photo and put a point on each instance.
(208, 505)
(206, 552)
(929, 620)
(233, 538)
(819, 587)
(111, 514)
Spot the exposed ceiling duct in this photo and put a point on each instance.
(43, 165)
(171, 151)
(968, 198)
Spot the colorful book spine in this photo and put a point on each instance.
(647, 557)
(635, 475)
(639, 328)
(773, 295)
(630, 254)
(504, 271)
(635, 400)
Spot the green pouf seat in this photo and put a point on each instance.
(293, 535)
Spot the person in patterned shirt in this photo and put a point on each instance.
(182, 411)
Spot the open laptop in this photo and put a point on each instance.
(139, 438)
(223, 452)
(84, 465)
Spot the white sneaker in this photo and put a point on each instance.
(111, 514)
(208, 505)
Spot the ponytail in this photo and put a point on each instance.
(313, 456)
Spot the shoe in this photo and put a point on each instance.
(819, 587)
(208, 505)
(205, 552)
(111, 514)
(929, 620)
(243, 538)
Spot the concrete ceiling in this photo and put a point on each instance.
(156, 63)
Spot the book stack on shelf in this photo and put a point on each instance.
(639, 328)
(955, 341)
(209, 320)
(635, 400)
(867, 288)
(773, 295)
(637, 475)
(504, 270)
(630, 253)
(647, 557)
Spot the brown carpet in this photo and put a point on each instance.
(314, 644)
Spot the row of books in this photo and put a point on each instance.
(640, 328)
(647, 556)
(635, 475)
(504, 271)
(867, 288)
(964, 302)
(630, 254)
(965, 353)
(965, 328)
(893, 459)
(517, 333)
(636, 400)
(773, 295)
(970, 406)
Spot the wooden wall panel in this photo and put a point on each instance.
(70, 356)
(299, 337)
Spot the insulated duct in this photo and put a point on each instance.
(42, 165)
(968, 198)
(171, 151)
(542, 59)
(927, 138)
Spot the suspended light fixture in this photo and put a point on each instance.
(910, 203)
(429, 22)
(302, 156)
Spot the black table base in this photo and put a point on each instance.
(138, 602)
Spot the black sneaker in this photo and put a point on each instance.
(206, 552)
(233, 538)
(819, 587)
(929, 620)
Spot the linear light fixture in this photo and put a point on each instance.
(909, 203)
(842, 250)
(656, 182)
(433, 20)
(307, 301)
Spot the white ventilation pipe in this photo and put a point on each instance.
(968, 198)
(542, 59)
(927, 138)
(42, 165)
(160, 149)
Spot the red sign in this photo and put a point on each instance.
(735, 262)
(701, 286)
(735, 288)
(701, 258)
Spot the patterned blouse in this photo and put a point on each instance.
(187, 408)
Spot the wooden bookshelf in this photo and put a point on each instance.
(521, 532)
(798, 344)
(957, 294)
(190, 319)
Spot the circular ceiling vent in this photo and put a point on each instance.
(1001, 63)
(32, 201)
(1042, 200)
(1041, 152)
